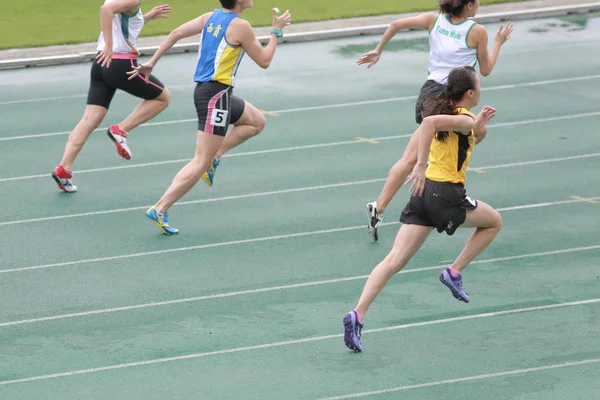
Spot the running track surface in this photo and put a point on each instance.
(247, 302)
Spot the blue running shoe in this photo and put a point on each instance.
(455, 285)
(209, 175)
(352, 331)
(162, 221)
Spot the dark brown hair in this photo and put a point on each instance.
(460, 81)
(454, 7)
(230, 4)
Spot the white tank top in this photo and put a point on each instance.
(125, 31)
(449, 47)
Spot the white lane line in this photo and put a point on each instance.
(211, 200)
(185, 160)
(512, 86)
(277, 192)
(533, 162)
(329, 106)
(260, 239)
(296, 341)
(295, 148)
(465, 379)
(42, 99)
(279, 288)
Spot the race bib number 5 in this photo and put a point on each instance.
(219, 117)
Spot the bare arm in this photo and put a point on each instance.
(460, 123)
(106, 15)
(190, 28)
(486, 60)
(157, 12)
(422, 21)
(247, 39)
(262, 56)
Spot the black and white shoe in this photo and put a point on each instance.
(374, 220)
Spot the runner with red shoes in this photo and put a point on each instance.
(121, 22)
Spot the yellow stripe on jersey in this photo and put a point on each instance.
(226, 64)
(448, 159)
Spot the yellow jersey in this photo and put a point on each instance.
(448, 159)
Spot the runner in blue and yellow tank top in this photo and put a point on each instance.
(439, 200)
(224, 39)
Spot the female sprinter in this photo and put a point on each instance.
(224, 39)
(121, 22)
(454, 41)
(439, 199)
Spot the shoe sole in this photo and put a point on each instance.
(452, 289)
(120, 150)
(349, 333)
(60, 185)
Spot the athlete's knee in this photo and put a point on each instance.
(409, 158)
(258, 121)
(397, 259)
(92, 117)
(497, 220)
(402, 167)
(165, 97)
(493, 219)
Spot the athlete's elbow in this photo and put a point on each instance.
(175, 35)
(106, 9)
(485, 71)
(396, 26)
(430, 122)
(265, 62)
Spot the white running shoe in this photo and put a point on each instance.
(119, 137)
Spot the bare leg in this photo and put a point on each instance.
(409, 240)
(206, 148)
(251, 123)
(398, 174)
(145, 111)
(488, 223)
(92, 118)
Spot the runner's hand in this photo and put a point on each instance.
(142, 69)
(484, 116)
(283, 20)
(159, 12)
(504, 33)
(105, 56)
(371, 58)
(417, 177)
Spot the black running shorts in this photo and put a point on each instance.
(104, 82)
(431, 88)
(443, 206)
(217, 107)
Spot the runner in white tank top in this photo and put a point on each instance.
(126, 29)
(449, 47)
(121, 22)
(455, 41)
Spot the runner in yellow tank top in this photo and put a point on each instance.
(455, 40)
(448, 159)
(439, 200)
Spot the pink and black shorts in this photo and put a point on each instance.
(104, 81)
(217, 107)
